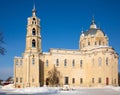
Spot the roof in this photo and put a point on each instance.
(91, 31)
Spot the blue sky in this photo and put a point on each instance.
(61, 24)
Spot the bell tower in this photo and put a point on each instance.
(33, 37)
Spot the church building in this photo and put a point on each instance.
(94, 64)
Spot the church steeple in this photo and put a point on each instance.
(34, 10)
(93, 25)
(33, 37)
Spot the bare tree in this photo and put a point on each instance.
(53, 77)
(2, 49)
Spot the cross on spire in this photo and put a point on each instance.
(93, 21)
(93, 25)
(34, 10)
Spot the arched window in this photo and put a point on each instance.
(33, 43)
(107, 61)
(33, 18)
(57, 62)
(99, 61)
(33, 31)
(34, 21)
(99, 42)
(65, 62)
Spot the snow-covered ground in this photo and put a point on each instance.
(109, 90)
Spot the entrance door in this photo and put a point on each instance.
(66, 80)
(47, 81)
(107, 81)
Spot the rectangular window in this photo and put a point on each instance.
(20, 80)
(73, 63)
(99, 42)
(106, 61)
(73, 80)
(16, 61)
(66, 80)
(65, 62)
(99, 80)
(16, 79)
(47, 63)
(92, 80)
(88, 43)
(81, 63)
(57, 62)
(95, 43)
(81, 80)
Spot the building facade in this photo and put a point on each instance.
(94, 64)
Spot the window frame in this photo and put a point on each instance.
(99, 42)
(20, 79)
(17, 62)
(33, 43)
(57, 62)
(47, 63)
(33, 31)
(73, 63)
(81, 80)
(81, 63)
(65, 63)
(16, 79)
(73, 80)
(93, 80)
(88, 43)
(99, 80)
(66, 81)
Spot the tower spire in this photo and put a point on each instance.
(93, 25)
(34, 10)
(93, 21)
